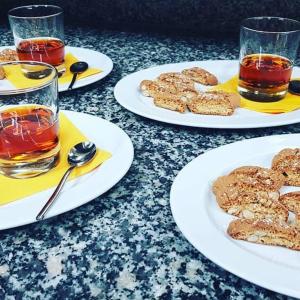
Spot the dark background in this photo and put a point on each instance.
(192, 17)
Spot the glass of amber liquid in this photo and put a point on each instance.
(38, 32)
(29, 129)
(268, 49)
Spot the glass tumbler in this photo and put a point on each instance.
(38, 32)
(29, 127)
(268, 49)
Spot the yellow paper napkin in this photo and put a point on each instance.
(16, 77)
(14, 189)
(289, 103)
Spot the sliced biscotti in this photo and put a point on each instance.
(172, 102)
(177, 79)
(287, 162)
(7, 55)
(237, 200)
(265, 232)
(214, 103)
(150, 88)
(258, 178)
(201, 76)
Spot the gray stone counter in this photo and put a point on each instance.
(125, 244)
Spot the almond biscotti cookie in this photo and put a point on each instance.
(7, 55)
(201, 76)
(265, 232)
(214, 103)
(152, 89)
(237, 200)
(177, 79)
(258, 178)
(172, 102)
(287, 162)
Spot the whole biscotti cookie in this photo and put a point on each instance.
(170, 102)
(287, 162)
(265, 232)
(177, 79)
(214, 103)
(233, 197)
(258, 178)
(201, 76)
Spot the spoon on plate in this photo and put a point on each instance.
(77, 68)
(294, 87)
(78, 156)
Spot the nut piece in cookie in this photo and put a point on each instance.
(233, 197)
(291, 201)
(214, 103)
(265, 232)
(258, 178)
(287, 162)
(8, 55)
(176, 79)
(170, 102)
(201, 76)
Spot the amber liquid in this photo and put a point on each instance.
(264, 74)
(48, 50)
(27, 132)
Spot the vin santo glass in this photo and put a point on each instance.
(38, 32)
(29, 129)
(268, 48)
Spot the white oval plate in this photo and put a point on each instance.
(204, 224)
(84, 188)
(128, 95)
(95, 59)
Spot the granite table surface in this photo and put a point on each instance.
(125, 243)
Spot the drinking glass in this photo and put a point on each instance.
(29, 129)
(38, 32)
(268, 49)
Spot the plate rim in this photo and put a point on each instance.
(94, 78)
(152, 114)
(203, 249)
(95, 191)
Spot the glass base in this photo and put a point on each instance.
(40, 72)
(260, 96)
(33, 168)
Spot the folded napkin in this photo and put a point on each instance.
(289, 103)
(14, 189)
(16, 77)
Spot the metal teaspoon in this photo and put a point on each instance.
(77, 68)
(78, 156)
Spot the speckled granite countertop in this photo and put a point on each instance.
(125, 244)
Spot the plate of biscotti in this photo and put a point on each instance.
(239, 205)
(182, 94)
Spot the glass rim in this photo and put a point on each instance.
(60, 11)
(270, 18)
(17, 91)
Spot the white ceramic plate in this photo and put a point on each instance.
(85, 188)
(128, 95)
(204, 224)
(93, 58)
